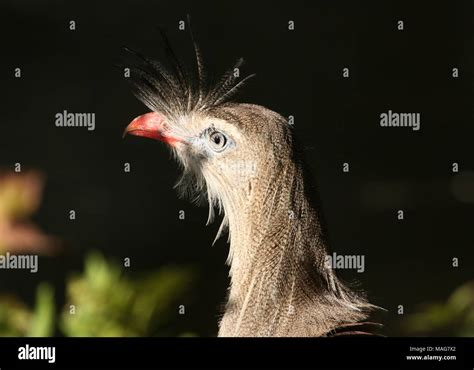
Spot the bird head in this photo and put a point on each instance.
(223, 147)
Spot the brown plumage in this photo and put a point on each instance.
(244, 159)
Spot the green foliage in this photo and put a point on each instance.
(15, 317)
(18, 320)
(105, 302)
(102, 301)
(455, 317)
(43, 318)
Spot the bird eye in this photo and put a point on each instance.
(218, 141)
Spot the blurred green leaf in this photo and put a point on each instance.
(16, 319)
(103, 301)
(42, 324)
(455, 317)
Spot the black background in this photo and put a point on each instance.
(299, 73)
(314, 353)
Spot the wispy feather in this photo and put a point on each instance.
(172, 90)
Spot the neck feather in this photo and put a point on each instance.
(280, 285)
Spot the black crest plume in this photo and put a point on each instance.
(172, 90)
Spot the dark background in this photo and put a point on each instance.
(299, 73)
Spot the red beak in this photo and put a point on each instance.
(151, 125)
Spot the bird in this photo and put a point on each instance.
(247, 163)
